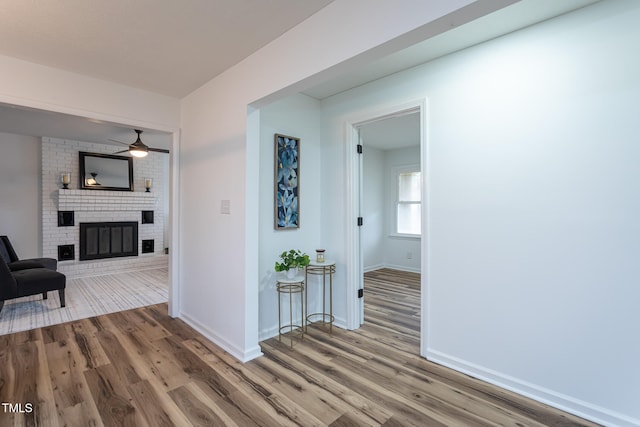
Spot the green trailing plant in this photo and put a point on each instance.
(292, 259)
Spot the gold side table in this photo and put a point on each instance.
(290, 287)
(324, 269)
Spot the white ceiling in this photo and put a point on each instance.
(506, 20)
(38, 123)
(163, 46)
(393, 132)
(173, 47)
(404, 131)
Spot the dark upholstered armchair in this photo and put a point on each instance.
(29, 281)
(14, 263)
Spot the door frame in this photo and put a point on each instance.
(354, 259)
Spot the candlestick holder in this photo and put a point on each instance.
(65, 177)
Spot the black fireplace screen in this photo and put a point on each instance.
(108, 239)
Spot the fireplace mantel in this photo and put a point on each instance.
(98, 200)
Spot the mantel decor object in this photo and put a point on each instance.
(65, 178)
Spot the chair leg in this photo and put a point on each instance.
(44, 295)
(61, 295)
(1, 304)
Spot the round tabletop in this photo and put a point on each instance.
(326, 263)
(290, 281)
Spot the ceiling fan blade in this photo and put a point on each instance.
(159, 150)
(138, 146)
(119, 142)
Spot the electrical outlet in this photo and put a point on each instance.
(409, 255)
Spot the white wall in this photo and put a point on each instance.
(380, 247)
(220, 140)
(533, 175)
(402, 253)
(20, 193)
(32, 85)
(297, 116)
(374, 208)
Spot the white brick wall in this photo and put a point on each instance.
(98, 205)
(88, 200)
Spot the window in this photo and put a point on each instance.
(408, 202)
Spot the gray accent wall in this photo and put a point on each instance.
(20, 192)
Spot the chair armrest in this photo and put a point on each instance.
(23, 265)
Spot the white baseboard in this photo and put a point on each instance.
(340, 323)
(557, 400)
(265, 334)
(220, 341)
(392, 267)
(369, 268)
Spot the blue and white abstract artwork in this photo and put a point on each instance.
(287, 185)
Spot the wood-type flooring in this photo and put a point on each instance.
(143, 368)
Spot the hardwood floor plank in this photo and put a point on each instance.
(200, 411)
(199, 373)
(54, 333)
(364, 385)
(112, 398)
(7, 373)
(138, 322)
(247, 382)
(81, 415)
(242, 407)
(8, 381)
(152, 363)
(66, 373)
(83, 334)
(33, 385)
(245, 412)
(149, 403)
(277, 352)
(325, 406)
(345, 421)
(118, 356)
(26, 336)
(390, 339)
(143, 368)
(176, 327)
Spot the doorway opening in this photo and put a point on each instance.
(387, 196)
(83, 129)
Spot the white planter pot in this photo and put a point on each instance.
(291, 273)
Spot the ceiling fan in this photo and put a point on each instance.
(138, 148)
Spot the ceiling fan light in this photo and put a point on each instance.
(136, 152)
(138, 148)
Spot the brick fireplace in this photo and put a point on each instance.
(64, 211)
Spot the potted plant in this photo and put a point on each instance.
(291, 261)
